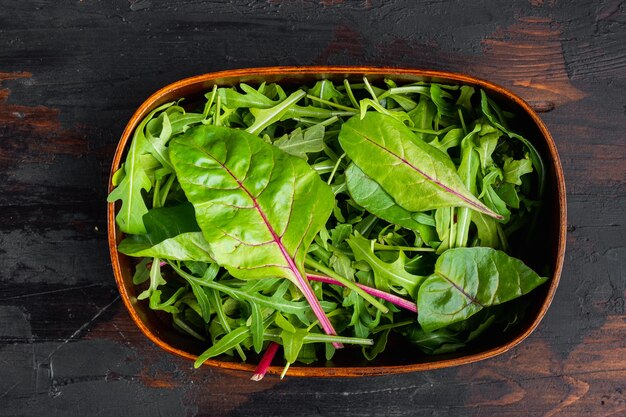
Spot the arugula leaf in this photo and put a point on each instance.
(299, 143)
(386, 275)
(265, 117)
(486, 107)
(325, 90)
(130, 217)
(226, 343)
(514, 169)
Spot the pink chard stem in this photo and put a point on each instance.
(306, 289)
(393, 299)
(266, 361)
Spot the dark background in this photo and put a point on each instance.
(73, 72)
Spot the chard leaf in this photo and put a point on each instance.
(368, 194)
(381, 145)
(468, 279)
(258, 207)
(386, 275)
(130, 217)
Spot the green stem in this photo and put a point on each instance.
(369, 89)
(332, 174)
(320, 338)
(185, 327)
(155, 194)
(217, 120)
(346, 282)
(332, 104)
(379, 246)
(166, 188)
(425, 90)
(221, 316)
(346, 84)
(393, 325)
(209, 103)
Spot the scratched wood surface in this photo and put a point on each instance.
(72, 73)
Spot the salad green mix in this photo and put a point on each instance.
(330, 214)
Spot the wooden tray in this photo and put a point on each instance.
(550, 248)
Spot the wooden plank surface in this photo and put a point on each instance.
(71, 74)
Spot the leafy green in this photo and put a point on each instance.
(371, 196)
(377, 188)
(380, 145)
(468, 279)
(135, 179)
(386, 275)
(171, 233)
(234, 179)
(300, 143)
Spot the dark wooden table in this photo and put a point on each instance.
(72, 73)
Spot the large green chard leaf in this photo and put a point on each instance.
(416, 175)
(258, 207)
(468, 279)
(130, 217)
(369, 195)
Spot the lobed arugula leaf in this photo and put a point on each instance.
(135, 179)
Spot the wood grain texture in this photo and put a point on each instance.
(72, 73)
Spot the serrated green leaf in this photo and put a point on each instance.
(130, 217)
(386, 275)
